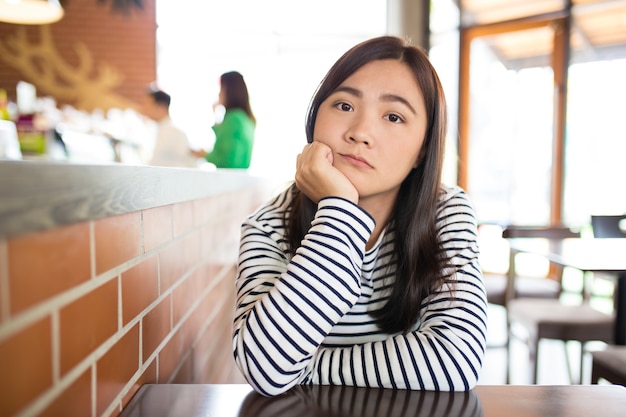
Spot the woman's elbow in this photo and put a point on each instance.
(266, 380)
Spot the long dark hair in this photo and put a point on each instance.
(236, 92)
(419, 259)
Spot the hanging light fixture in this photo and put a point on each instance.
(30, 12)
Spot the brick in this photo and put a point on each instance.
(116, 367)
(26, 366)
(157, 227)
(147, 377)
(75, 401)
(183, 217)
(169, 357)
(117, 240)
(171, 265)
(86, 323)
(193, 250)
(156, 326)
(140, 287)
(42, 265)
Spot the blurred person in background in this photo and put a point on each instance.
(234, 135)
(171, 148)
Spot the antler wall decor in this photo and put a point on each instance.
(87, 85)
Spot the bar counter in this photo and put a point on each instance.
(114, 276)
(37, 195)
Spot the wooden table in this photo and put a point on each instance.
(239, 400)
(588, 255)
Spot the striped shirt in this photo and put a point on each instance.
(303, 319)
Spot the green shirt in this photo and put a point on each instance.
(234, 138)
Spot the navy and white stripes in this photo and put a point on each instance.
(305, 319)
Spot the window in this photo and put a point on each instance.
(541, 131)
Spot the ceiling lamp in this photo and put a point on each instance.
(30, 12)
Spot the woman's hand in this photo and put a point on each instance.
(318, 178)
(199, 153)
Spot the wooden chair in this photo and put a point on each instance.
(609, 364)
(550, 318)
(497, 285)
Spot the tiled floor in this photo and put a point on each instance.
(552, 362)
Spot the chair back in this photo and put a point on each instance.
(608, 226)
(545, 232)
(555, 234)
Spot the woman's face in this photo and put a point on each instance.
(375, 123)
(221, 98)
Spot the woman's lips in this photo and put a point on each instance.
(356, 160)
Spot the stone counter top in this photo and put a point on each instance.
(41, 195)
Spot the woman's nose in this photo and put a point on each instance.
(361, 131)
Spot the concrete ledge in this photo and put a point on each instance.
(37, 196)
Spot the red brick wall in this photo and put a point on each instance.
(90, 311)
(117, 43)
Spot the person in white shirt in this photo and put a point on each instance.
(365, 270)
(171, 148)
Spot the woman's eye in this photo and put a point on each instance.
(394, 118)
(343, 106)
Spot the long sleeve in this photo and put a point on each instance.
(305, 319)
(445, 350)
(285, 310)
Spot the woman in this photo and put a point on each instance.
(234, 136)
(365, 271)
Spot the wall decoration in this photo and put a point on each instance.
(94, 57)
(88, 85)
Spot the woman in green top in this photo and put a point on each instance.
(234, 136)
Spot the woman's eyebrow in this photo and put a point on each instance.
(350, 90)
(385, 97)
(397, 98)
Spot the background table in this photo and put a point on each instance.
(588, 255)
(239, 400)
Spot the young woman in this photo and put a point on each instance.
(365, 271)
(234, 135)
